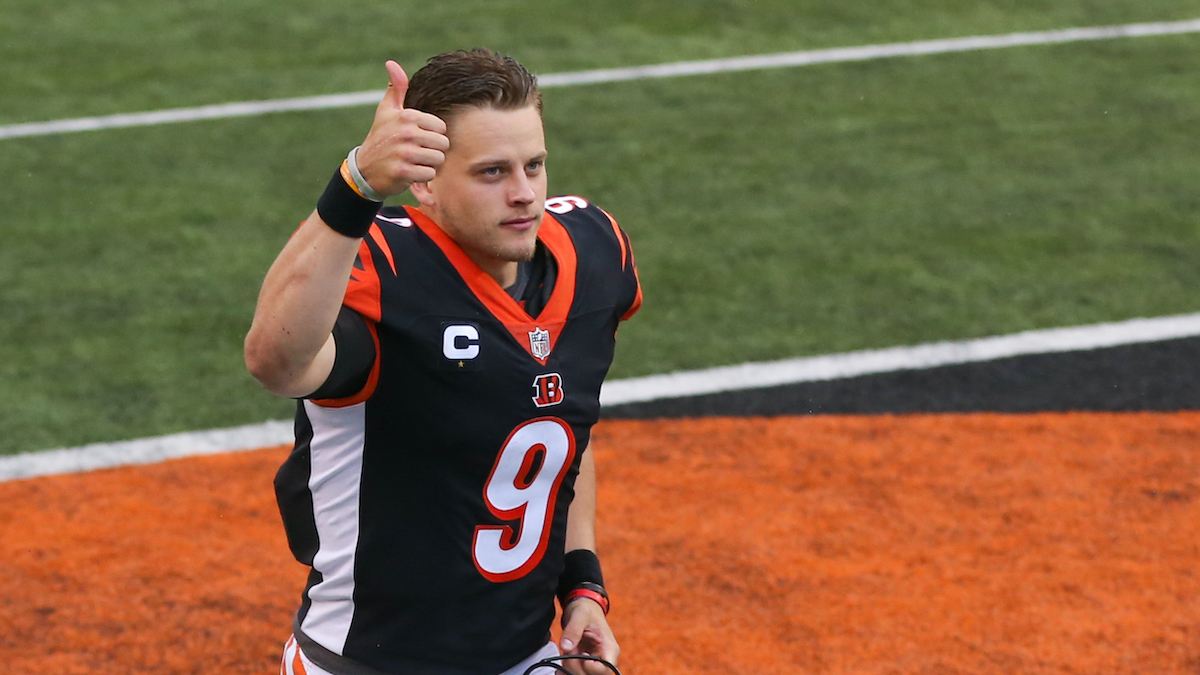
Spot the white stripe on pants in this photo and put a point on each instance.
(546, 652)
(296, 663)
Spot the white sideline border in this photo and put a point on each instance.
(654, 387)
(727, 65)
(145, 450)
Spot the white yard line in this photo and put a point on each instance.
(744, 63)
(640, 389)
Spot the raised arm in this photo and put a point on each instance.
(289, 348)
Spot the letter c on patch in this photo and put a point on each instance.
(460, 342)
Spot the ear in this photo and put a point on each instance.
(423, 194)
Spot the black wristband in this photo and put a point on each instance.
(581, 566)
(344, 210)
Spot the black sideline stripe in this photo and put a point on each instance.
(1149, 376)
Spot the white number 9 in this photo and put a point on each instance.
(523, 486)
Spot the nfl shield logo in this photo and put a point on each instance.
(539, 343)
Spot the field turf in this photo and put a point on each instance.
(775, 214)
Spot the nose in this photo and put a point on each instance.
(521, 191)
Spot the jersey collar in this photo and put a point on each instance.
(536, 335)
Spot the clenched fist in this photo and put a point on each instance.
(404, 146)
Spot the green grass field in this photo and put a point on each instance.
(775, 213)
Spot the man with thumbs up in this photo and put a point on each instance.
(447, 362)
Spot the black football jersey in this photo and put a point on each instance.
(432, 504)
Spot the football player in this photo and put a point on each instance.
(447, 361)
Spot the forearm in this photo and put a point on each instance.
(289, 348)
(585, 628)
(581, 519)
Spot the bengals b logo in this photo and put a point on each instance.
(547, 390)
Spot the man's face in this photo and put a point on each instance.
(490, 193)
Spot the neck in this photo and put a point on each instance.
(503, 271)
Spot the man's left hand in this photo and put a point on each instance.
(586, 631)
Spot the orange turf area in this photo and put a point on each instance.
(1051, 543)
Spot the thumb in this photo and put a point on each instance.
(397, 85)
(572, 633)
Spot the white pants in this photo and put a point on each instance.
(296, 663)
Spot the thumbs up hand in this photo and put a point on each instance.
(404, 146)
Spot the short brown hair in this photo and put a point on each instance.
(479, 78)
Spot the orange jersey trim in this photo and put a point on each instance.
(363, 291)
(637, 300)
(620, 238)
(377, 236)
(501, 305)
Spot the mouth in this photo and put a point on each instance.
(520, 223)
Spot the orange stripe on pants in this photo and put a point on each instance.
(291, 664)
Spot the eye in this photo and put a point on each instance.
(534, 166)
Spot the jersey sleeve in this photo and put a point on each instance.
(629, 266)
(363, 290)
(629, 273)
(600, 235)
(356, 364)
(355, 358)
